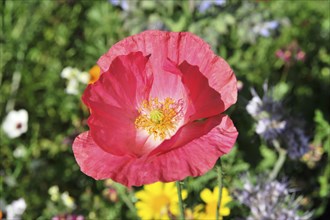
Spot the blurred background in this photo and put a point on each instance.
(279, 51)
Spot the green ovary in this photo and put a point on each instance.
(156, 116)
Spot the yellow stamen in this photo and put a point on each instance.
(159, 118)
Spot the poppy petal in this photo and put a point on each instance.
(127, 83)
(192, 159)
(198, 156)
(179, 47)
(95, 162)
(113, 101)
(187, 133)
(204, 101)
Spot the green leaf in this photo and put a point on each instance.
(269, 158)
(280, 90)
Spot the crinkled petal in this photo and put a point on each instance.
(165, 84)
(96, 162)
(204, 101)
(125, 85)
(187, 133)
(193, 159)
(113, 129)
(114, 100)
(178, 47)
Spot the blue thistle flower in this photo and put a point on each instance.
(122, 3)
(270, 200)
(273, 124)
(206, 4)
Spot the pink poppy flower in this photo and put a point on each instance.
(156, 110)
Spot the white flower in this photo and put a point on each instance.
(254, 106)
(74, 77)
(67, 72)
(15, 123)
(20, 152)
(72, 87)
(68, 200)
(267, 124)
(16, 209)
(262, 126)
(83, 77)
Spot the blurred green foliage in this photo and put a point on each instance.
(39, 38)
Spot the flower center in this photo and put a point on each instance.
(161, 204)
(156, 116)
(159, 119)
(19, 125)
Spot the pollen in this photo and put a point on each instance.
(159, 118)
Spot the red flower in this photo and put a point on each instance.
(156, 110)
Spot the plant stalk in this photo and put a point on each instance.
(178, 186)
(123, 195)
(219, 172)
(280, 161)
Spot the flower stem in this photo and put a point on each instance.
(178, 186)
(123, 195)
(14, 88)
(280, 161)
(219, 171)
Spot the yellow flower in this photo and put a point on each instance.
(158, 201)
(94, 73)
(211, 199)
(313, 155)
(54, 193)
(67, 200)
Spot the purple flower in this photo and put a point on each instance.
(270, 200)
(264, 28)
(296, 140)
(270, 129)
(121, 3)
(274, 124)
